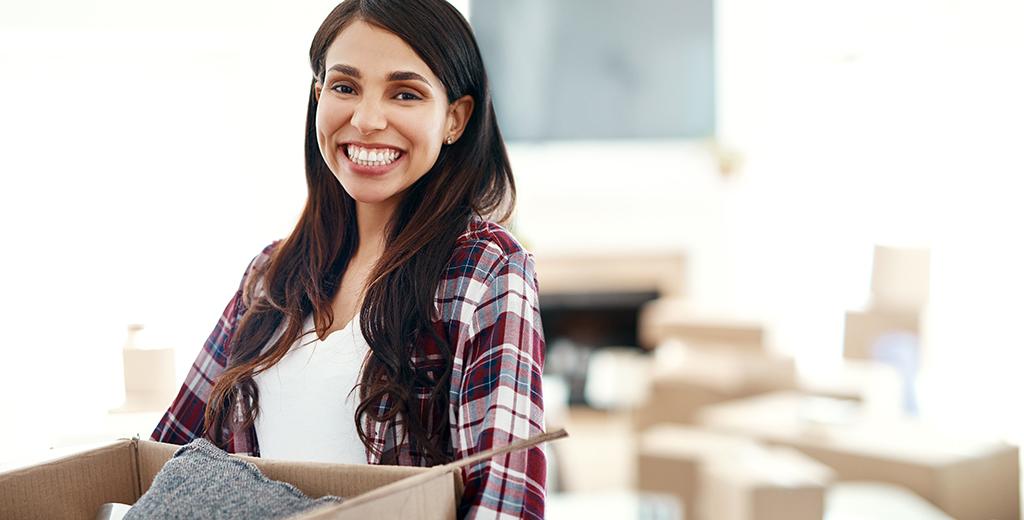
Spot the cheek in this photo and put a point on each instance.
(428, 138)
(320, 115)
(429, 150)
(328, 118)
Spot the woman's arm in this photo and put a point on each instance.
(498, 397)
(183, 421)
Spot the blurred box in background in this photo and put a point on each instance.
(864, 329)
(685, 379)
(669, 458)
(900, 278)
(888, 329)
(875, 500)
(968, 478)
(678, 319)
(662, 273)
(718, 476)
(877, 387)
(764, 484)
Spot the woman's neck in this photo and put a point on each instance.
(372, 220)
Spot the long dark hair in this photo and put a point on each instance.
(471, 177)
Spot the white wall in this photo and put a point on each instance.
(149, 153)
(883, 121)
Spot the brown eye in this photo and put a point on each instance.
(345, 89)
(408, 96)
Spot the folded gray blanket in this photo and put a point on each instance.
(203, 481)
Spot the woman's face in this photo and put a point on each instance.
(382, 115)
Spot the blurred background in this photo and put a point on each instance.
(777, 242)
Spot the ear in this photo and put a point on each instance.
(316, 90)
(459, 112)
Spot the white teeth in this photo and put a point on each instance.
(375, 157)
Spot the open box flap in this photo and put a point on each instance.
(56, 488)
(500, 450)
(428, 478)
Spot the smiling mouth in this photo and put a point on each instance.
(364, 156)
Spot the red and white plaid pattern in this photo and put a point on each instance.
(487, 301)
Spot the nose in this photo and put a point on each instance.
(368, 116)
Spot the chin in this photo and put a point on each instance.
(366, 195)
(370, 199)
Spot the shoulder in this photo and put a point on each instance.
(485, 232)
(252, 278)
(485, 248)
(263, 257)
(486, 259)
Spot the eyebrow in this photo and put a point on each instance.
(400, 75)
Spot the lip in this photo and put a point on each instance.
(369, 171)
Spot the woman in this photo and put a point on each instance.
(392, 282)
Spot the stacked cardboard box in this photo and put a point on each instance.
(669, 459)
(900, 278)
(686, 379)
(768, 484)
(717, 476)
(899, 298)
(875, 386)
(678, 319)
(879, 501)
(968, 478)
(866, 328)
(583, 273)
(600, 455)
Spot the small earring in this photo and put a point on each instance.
(449, 140)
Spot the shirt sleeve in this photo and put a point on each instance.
(183, 421)
(499, 366)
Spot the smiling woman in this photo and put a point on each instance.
(401, 251)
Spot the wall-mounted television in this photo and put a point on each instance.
(599, 69)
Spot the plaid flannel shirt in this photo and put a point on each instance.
(487, 302)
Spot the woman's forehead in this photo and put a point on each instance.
(375, 52)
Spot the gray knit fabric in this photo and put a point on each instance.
(203, 481)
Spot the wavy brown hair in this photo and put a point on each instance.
(471, 176)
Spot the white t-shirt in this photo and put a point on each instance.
(306, 412)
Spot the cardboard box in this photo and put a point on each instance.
(877, 500)
(76, 486)
(968, 478)
(764, 484)
(717, 476)
(864, 328)
(600, 455)
(585, 273)
(669, 459)
(689, 379)
(900, 278)
(674, 318)
(875, 386)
